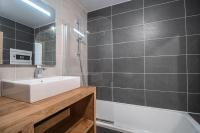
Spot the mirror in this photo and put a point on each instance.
(27, 33)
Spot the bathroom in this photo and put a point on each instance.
(143, 57)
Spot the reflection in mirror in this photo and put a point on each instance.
(23, 24)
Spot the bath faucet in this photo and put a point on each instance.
(38, 72)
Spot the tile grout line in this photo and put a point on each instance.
(18, 40)
(135, 25)
(133, 10)
(143, 7)
(15, 66)
(149, 90)
(26, 41)
(11, 28)
(159, 38)
(144, 35)
(186, 54)
(162, 3)
(136, 57)
(112, 92)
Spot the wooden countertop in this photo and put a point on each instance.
(16, 114)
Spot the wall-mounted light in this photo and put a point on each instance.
(37, 7)
(79, 33)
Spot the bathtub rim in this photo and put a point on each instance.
(183, 113)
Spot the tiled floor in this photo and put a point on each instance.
(104, 130)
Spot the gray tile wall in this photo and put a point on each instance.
(15, 35)
(147, 52)
(47, 37)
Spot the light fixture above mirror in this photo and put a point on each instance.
(30, 3)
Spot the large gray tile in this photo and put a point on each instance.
(127, 6)
(50, 35)
(129, 96)
(98, 25)
(7, 22)
(193, 25)
(24, 46)
(192, 7)
(22, 36)
(167, 100)
(135, 81)
(193, 103)
(7, 32)
(47, 28)
(193, 44)
(100, 38)
(155, 2)
(49, 46)
(24, 28)
(104, 93)
(134, 33)
(6, 62)
(193, 83)
(168, 46)
(100, 52)
(164, 12)
(131, 49)
(99, 13)
(47, 56)
(8, 43)
(127, 19)
(193, 63)
(129, 65)
(6, 55)
(46, 36)
(166, 82)
(104, 65)
(100, 79)
(165, 29)
(166, 64)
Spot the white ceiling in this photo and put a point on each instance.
(91, 5)
(19, 11)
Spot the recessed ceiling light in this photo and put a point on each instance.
(37, 7)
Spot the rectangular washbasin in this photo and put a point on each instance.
(37, 89)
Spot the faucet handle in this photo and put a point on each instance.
(40, 67)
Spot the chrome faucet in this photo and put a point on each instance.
(38, 72)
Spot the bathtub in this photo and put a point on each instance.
(140, 119)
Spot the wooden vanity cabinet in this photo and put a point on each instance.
(70, 112)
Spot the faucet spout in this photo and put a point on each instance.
(38, 72)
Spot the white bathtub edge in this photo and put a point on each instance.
(123, 128)
(193, 122)
(112, 127)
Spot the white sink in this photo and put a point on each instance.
(37, 89)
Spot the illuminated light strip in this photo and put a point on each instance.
(78, 32)
(37, 7)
